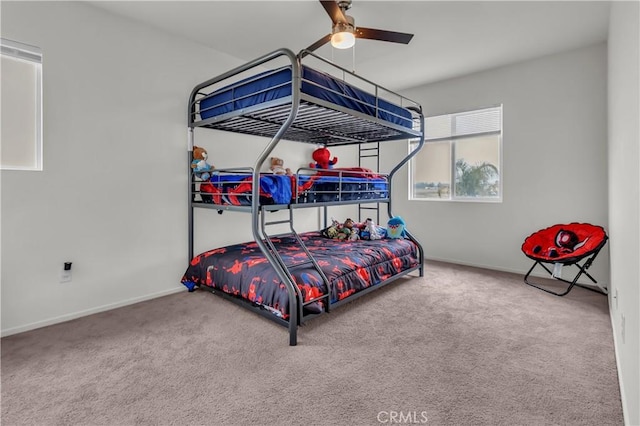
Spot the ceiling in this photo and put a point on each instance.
(452, 38)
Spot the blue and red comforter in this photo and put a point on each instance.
(351, 266)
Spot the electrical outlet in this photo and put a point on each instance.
(65, 276)
(65, 273)
(622, 327)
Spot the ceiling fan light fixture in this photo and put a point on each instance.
(342, 34)
(343, 40)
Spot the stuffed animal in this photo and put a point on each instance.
(331, 231)
(201, 168)
(372, 231)
(355, 234)
(322, 156)
(395, 228)
(277, 167)
(344, 230)
(347, 231)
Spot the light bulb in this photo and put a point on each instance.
(343, 40)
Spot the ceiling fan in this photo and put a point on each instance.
(344, 31)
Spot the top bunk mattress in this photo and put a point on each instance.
(276, 84)
(273, 88)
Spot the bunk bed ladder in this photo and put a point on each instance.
(289, 268)
(368, 151)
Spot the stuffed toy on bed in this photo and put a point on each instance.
(277, 167)
(331, 231)
(351, 230)
(201, 168)
(344, 230)
(347, 231)
(395, 228)
(371, 231)
(322, 156)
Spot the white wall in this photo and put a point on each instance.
(112, 196)
(624, 197)
(554, 160)
(234, 150)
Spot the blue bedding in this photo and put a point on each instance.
(235, 189)
(276, 84)
(325, 189)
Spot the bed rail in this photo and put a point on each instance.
(319, 120)
(232, 189)
(416, 149)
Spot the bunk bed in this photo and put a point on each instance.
(293, 277)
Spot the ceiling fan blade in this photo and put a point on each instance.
(319, 43)
(392, 36)
(333, 10)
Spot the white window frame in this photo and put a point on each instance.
(452, 138)
(32, 55)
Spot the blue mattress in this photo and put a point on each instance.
(276, 84)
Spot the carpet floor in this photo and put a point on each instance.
(460, 346)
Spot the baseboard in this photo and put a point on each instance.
(623, 397)
(501, 269)
(80, 314)
(479, 265)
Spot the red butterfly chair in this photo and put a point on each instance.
(564, 245)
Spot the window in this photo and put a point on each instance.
(21, 85)
(461, 159)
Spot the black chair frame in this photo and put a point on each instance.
(588, 260)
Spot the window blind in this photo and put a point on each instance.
(21, 130)
(463, 124)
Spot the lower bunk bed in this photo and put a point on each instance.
(242, 273)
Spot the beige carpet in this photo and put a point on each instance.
(461, 346)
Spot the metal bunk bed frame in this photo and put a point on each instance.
(292, 118)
